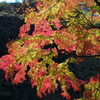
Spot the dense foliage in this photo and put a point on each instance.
(55, 27)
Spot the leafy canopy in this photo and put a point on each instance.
(68, 27)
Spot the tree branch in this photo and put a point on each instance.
(73, 54)
(90, 23)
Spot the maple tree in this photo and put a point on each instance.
(32, 54)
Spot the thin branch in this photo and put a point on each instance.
(79, 56)
(73, 54)
(92, 25)
(49, 8)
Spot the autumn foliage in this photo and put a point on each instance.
(32, 54)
